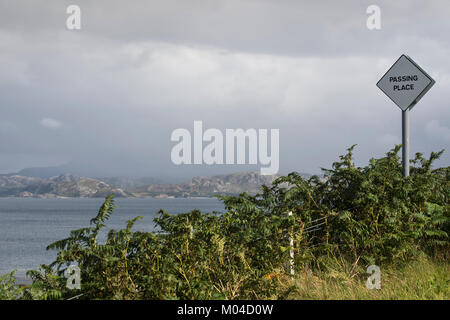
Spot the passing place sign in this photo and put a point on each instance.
(405, 83)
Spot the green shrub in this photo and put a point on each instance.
(363, 215)
(8, 288)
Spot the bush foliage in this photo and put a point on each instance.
(363, 215)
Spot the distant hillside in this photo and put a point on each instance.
(127, 183)
(68, 169)
(226, 184)
(64, 185)
(43, 172)
(67, 185)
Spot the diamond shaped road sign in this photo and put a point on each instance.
(405, 83)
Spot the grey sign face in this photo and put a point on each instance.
(405, 83)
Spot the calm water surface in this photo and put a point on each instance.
(27, 226)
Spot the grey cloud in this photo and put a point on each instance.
(139, 69)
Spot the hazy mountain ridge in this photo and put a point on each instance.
(68, 185)
(225, 184)
(127, 183)
(65, 185)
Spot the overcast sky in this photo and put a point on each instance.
(106, 98)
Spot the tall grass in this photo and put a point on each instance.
(421, 279)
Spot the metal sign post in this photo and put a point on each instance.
(405, 142)
(405, 83)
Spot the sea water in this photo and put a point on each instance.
(29, 225)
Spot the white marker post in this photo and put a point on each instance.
(291, 252)
(405, 83)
